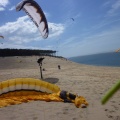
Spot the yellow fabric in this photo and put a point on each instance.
(31, 83)
(18, 97)
(11, 92)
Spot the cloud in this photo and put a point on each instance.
(114, 8)
(106, 3)
(103, 23)
(2, 9)
(14, 46)
(56, 29)
(105, 41)
(12, 8)
(23, 31)
(3, 4)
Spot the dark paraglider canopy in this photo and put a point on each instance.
(72, 19)
(1, 36)
(39, 61)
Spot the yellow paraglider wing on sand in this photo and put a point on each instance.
(19, 90)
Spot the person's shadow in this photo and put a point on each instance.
(51, 80)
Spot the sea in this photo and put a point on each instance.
(102, 59)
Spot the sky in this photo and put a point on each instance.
(76, 27)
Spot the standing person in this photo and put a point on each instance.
(59, 67)
(40, 64)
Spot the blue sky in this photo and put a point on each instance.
(95, 28)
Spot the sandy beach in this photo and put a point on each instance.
(91, 82)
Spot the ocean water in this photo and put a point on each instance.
(102, 59)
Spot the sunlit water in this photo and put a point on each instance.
(103, 59)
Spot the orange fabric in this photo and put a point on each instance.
(18, 97)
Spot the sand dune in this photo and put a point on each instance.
(92, 82)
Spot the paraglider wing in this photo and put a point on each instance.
(72, 19)
(27, 84)
(117, 50)
(1, 36)
(34, 11)
(19, 90)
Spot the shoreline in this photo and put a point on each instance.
(95, 65)
(101, 59)
(89, 81)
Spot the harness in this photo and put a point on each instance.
(66, 96)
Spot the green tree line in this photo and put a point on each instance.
(25, 52)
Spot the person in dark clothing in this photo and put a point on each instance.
(59, 67)
(40, 61)
(67, 97)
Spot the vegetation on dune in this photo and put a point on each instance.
(25, 52)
